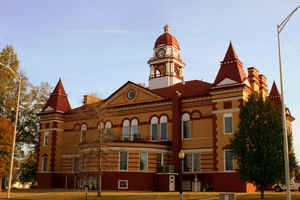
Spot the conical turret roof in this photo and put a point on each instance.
(231, 67)
(275, 95)
(58, 100)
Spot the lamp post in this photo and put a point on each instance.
(285, 138)
(181, 157)
(19, 79)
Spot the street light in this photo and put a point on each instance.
(19, 78)
(285, 139)
(181, 157)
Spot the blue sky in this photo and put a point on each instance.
(96, 46)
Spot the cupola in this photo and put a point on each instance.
(166, 66)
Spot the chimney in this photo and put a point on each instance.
(263, 85)
(90, 99)
(253, 77)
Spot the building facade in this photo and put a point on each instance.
(133, 137)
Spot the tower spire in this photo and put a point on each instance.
(231, 67)
(230, 54)
(58, 100)
(275, 95)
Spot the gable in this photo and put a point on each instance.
(48, 108)
(226, 81)
(131, 93)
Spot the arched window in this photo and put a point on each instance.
(100, 129)
(154, 128)
(157, 73)
(185, 125)
(126, 129)
(134, 129)
(83, 133)
(108, 126)
(163, 127)
(44, 163)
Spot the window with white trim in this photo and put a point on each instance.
(134, 129)
(123, 160)
(108, 127)
(228, 123)
(196, 162)
(46, 138)
(163, 127)
(143, 161)
(228, 160)
(83, 133)
(154, 128)
(185, 126)
(126, 129)
(122, 184)
(44, 163)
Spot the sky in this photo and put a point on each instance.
(96, 46)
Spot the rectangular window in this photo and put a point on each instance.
(186, 129)
(196, 162)
(126, 132)
(75, 165)
(134, 132)
(159, 161)
(123, 160)
(122, 184)
(186, 163)
(143, 161)
(46, 136)
(163, 131)
(44, 163)
(228, 123)
(228, 160)
(154, 132)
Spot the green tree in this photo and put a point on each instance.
(258, 145)
(28, 168)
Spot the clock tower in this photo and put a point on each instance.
(166, 66)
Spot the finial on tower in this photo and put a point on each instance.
(167, 28)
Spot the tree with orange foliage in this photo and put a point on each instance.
(6, 133)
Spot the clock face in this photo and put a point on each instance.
(161, 53)
(131, 94)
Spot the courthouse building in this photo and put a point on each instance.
(134, 136)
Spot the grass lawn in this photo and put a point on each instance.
(60, 194)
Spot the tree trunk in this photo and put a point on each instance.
(262, 192)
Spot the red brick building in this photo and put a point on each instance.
(134, 136)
